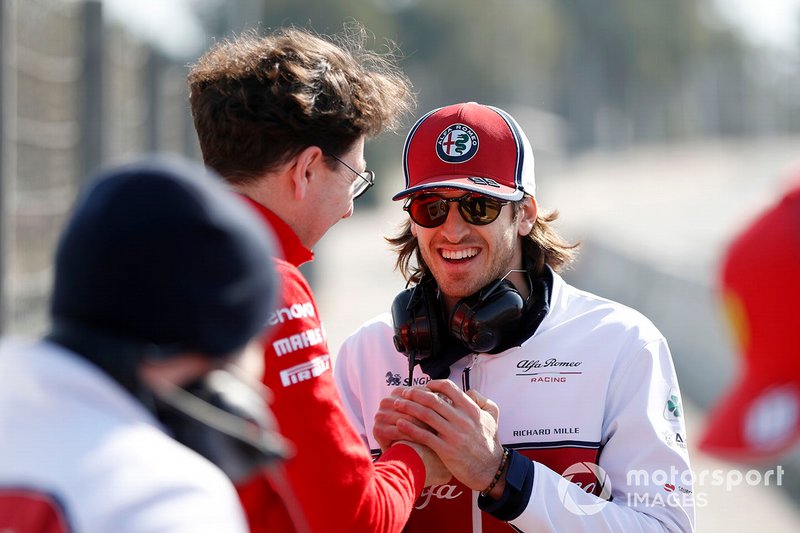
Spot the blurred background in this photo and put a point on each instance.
(659, 128)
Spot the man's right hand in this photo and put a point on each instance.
(386, 433)
(460, 427)
(385, 426)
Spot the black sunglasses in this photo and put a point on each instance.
(367, 179)
(430, 210)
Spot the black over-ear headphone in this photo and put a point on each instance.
(481, 321)
(418, 322)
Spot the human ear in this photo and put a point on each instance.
(306, 167)
(527, 216)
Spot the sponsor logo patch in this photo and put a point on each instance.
(439, 492)
(674, 439)
(395, 380)
(304, 339)
(548, 370)
(305, 371)
(285, 314)
(592, 479)
(537, 432)
(673, 410)
(458, 143)
(489, 182)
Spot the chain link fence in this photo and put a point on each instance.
(75, 93)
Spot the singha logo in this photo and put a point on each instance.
(392, 380)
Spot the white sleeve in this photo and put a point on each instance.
(198, 511)
(203, 511)
(643, 460)
(347, 381)
(163, 487)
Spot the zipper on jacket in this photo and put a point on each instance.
(465, 385)
(477, 514)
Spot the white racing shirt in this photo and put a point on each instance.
(79, 453)
(593, 387)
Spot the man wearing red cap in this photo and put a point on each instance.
(591, 436)
(760, 416)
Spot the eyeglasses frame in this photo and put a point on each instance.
(369, 178)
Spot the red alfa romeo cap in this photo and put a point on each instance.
(760, 416)
(472, 147)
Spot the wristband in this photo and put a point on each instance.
(517, 492)
(498, 474)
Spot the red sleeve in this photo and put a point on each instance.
(331, 476)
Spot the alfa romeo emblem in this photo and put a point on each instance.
(456, 144)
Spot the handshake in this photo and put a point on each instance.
(455, 433)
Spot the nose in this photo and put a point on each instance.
(455, 227)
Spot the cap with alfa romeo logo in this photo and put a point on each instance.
(468, 146)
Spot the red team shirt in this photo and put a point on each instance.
(331, 475)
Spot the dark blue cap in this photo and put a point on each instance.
(159, 252)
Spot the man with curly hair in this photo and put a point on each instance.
(283, 118)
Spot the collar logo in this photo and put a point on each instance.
(458, 143)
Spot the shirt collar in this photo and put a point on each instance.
(293, 250)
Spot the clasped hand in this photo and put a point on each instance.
(461, 428)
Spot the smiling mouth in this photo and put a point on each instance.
(460, 255)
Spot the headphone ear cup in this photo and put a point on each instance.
(416, 329)
(403, 321)
(464, 328)
(481, 320)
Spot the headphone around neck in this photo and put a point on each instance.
(481, 322)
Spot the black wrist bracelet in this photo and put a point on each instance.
(498, 474)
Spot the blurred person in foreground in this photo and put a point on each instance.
(586, 386)
(161, 281)
(758, 418)
(283, 118)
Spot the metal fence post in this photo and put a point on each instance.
(4, 50)
(153, 99)
(91, 124)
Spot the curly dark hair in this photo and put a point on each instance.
(542, 246)
(259, 101)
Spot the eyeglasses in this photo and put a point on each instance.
(367, 179)
(430, 210)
